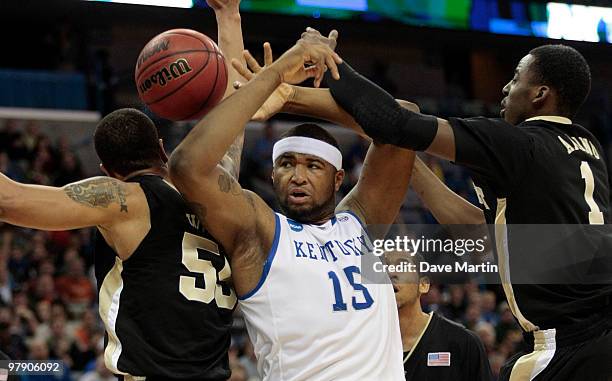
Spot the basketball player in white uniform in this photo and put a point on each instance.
(298, 274)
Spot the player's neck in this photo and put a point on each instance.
(156, 171)
(324, 219)
(412, 323)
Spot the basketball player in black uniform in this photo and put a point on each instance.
(163, 295)
(435, 348)
(534, 166)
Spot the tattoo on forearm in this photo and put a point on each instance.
(98, 193)
(231, 160)
(227, 184)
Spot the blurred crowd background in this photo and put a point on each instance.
(79, 56)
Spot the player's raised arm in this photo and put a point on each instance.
(97, 201)
(229, 31)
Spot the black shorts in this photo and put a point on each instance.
(583, 356)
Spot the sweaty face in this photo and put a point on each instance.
(407, 285)
(305, 187)
(517, 105)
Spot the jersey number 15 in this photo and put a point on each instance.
(340, 305)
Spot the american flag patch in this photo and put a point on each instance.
(438, 359)
(3, 374)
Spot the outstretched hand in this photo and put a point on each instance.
(314, 35)
(224, 5)
(279, 98)
(310, 57)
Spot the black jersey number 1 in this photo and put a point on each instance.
(212, 289)
(595, 214)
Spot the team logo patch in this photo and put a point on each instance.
(295, 226)
(438, 359)
(343, 218)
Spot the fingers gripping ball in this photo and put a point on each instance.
(181, 74)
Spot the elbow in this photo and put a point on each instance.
(178, 166)
(185, 168)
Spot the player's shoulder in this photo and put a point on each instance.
(447, 323)
(455, 331)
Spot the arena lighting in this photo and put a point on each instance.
(579, 22)
(349, 5)
(159, 3)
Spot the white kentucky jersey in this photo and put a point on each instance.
(311, 318)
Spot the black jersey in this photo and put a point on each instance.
(544, 171)
(166, 309)
(447, 351)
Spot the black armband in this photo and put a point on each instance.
(377, 112)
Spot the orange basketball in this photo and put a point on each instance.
(181, 74)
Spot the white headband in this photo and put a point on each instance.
(309, 146)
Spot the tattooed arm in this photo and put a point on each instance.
(98, 201)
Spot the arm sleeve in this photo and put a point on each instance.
(494, 150)
(379, 114)
(476, 360)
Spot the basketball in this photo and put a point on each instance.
(181, 74)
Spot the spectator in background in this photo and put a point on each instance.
(83, 349)
(45, 288)
(39, 351)
(11, 342)
(472, 316)
(100, 373)
(486, 332)
(19, 264)
(11, 141)
(258, 164)
(263, 147)
(506, 323)
(455, 310)
(8, 168)
(75, 288)
(6, 285)
(488, 307)
(69, 170)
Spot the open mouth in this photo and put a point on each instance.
(298, 196)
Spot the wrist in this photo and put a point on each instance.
(228, 15)
(276, 70)
(292, 104)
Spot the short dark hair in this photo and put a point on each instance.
(564, 69)
(126, 140)
(311, 130)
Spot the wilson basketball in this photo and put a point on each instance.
(181, 74)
